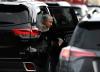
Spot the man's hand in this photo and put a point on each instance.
(60, 41)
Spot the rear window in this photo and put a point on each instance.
(13, 14)
(87, 36)
(62, 15)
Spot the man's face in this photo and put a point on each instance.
(48, 22)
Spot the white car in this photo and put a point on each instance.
(83, 52)
(81, 10)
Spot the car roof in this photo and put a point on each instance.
(9, 3)
(60, 3)
(36, 3)
(31, 7)
(81, 6)
(91, 17)
(35, 6)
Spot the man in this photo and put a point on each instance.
(49, 44)
(44, 25)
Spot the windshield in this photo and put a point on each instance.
(13, 14)
(87, 36)
(62, 15)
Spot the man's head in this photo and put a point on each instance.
(47, 20)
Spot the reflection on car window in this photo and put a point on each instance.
(13, 14)
(15, 18)
(39, 17)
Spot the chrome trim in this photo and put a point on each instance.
(26, 67)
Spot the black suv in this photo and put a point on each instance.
(20, 44)
(15, 33)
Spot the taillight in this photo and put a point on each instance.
(26, 33)
(35, 33)
(75, 52)
(65, 53)
(21, 31)
(29, 66)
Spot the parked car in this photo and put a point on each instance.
(96, 7)
(80, 10)
(17, 33)
(83, 53)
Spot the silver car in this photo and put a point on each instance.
(83, 52)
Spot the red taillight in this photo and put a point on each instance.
(27, 32)
(73, 52)
(82, 53)
(65, 53)
(35, 32)
(21, 31)
(29, 66)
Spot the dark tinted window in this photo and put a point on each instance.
(51, 4)
(13, 14)
(87, 36)
(78, 10)
(44, 9)
(62, 15)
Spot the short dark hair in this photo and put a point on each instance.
(46, 16)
